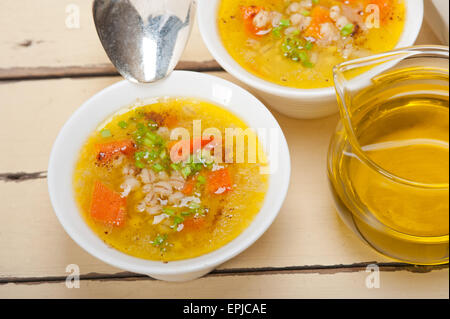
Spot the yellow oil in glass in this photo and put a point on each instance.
(410, 142)
(392, 189)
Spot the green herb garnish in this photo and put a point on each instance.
(147, 142)
(122, 124)
(139, 164)
(141, 155)
(347, 29)
(141, 128)
(159, 240)
(277, 32)
(163, 154)
(186, 171)
(285, 23)
(154, 138)
(177, 220)
(295, 32)
(152, 124)
(153, 154)
(157, 167)
(295, 49)
(168, 211)
(305, 13)
(105, 133)
(201, 179)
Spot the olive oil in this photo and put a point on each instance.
(410, 142)
(388, 164)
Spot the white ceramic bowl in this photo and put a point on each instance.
(297, 103)
(179, 84)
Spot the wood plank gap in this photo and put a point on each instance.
(22, 176)
(330, 269)
(316, 269)
(100, 70)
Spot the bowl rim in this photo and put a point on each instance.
(207, 10)
(212, 259)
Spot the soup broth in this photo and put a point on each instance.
(297, 43)
(141, 201)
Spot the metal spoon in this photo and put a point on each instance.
(144, 39)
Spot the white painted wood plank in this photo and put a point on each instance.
(340, 285)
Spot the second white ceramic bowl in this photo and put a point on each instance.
(179, 84)
(297, 103)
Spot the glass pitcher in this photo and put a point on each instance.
(388, 161)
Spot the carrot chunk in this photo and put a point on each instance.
(199, 143)
(194, 224)
(219, 181)
(248, 14)
(171, 121)
(193, 145)
(107, 151)
(189, 186)
(385, 7)
(107, 205)
(319, 16)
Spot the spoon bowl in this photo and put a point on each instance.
(144, 39)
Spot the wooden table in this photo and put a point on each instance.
(48, 68)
